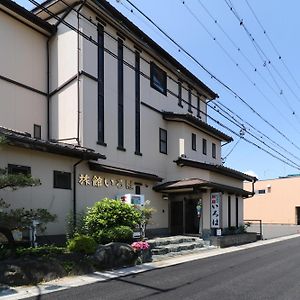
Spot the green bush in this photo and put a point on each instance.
(41, 251)
(122, 234)
(108, 213)
(82, 244)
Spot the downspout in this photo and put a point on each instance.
(48, 89)
(253, 182)
(78, 73)
(74, 193)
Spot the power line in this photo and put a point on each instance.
(272, 44)
(211, 74)
(286, 161)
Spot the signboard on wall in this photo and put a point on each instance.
(215, 210)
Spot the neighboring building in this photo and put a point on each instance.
(275, 201)
(95, 108)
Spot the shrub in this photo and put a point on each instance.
(122, 234)
(82, 244)
(40, 251)
(108, 213)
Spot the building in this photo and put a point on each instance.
(275, 201)
(95, 108)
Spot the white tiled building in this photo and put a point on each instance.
(95, 108)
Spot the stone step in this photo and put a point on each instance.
(182, 246)
(171, 240)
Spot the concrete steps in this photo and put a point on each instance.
(163, 248)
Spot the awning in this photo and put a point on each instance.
(121, 171)
(194, 184)
(24, 140)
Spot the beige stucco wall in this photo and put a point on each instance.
(22, 59)
(278, 205)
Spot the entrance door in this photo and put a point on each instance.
(298, 215)
(176, 217)
(191, 216)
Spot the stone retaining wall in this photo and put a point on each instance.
(233, 240)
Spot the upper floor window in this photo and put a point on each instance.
(194, 142)
(213, 150)
(37, 131)
(204, 146)
(158, 78)
(163, 142)
(16, 169)
(61, 180)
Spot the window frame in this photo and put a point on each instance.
(194, 142)
(213, 150)
(163, 141)
(155, 68)
(55, 180)
(204, 146)
(24, 170)
(37, 129)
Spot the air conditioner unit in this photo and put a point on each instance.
(136, 200)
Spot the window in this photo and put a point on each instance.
(37, 131)
(194, 142)
(261, 192)
(190, 101)
(137, 105)
(137, 189)
(17, 169)
(61, 180)
(101, 85)
(120, 96)
(198, 107)
(213, 150)
(163, 147)
(229, 211)
(204, 146)
(158, 78)
(180, 94)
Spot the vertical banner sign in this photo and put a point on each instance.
(215, 210)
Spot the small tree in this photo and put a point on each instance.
(105, 216)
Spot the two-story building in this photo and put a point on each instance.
(95, 108)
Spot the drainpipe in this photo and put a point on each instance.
(48, 89)
(253, 182)
(74, 192)
(78, 73)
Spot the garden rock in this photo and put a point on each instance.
(114, 255)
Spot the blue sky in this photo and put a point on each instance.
(259, 76)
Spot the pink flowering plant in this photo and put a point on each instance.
(138, 246)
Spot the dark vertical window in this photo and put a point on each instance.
(213, 150)
(137, 189)
(180, 94)
(229, 211)
(158, 78)
(120, 96)
(190, 101)
(198, 106)
(61, 180)
(17, 169)
(101, 85)
(204, 146)
(194, 142)
(163, 142)
(237, 211)
(37, 131)
(137, 105)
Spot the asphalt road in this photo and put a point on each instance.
(265, 272)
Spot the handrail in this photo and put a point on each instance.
(260, 227)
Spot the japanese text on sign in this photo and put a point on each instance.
(100, 181)
(215, 203)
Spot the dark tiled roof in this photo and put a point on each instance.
(24, 13)
(190, 119)
(215, 168)
(196, 184)
(24, 140)
(121, 171)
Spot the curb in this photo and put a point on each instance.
(64, 283)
